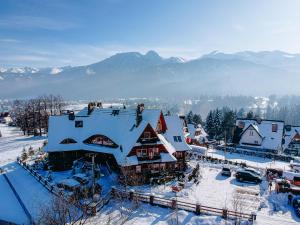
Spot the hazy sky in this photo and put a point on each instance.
(76, 32)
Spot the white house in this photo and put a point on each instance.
(261, 134)
(196, 134)
(292, 140)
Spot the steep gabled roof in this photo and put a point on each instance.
(175, 128)
(271, 140)
(254, 127)
(120, 127)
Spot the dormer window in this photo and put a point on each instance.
(101, 140)
(68, 141)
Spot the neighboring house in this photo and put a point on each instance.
(196, 135)
(260, 134)
(292, 140)
(140, 143)
(5, 118)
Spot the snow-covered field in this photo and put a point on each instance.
(12, 143)
(212, 190)
(32, 193)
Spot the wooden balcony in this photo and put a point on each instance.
(146, 157)
(148, 140)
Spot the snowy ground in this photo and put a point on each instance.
(213, 190)
(12, 143)
(32, 193)
(118, 212)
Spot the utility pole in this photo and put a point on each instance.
(93, 174)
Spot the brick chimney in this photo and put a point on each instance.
(139, 111)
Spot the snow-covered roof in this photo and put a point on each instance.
(192, 128)
(175, 128)
(69, 182)
(290, 134)
(271, 140)
(120, 128)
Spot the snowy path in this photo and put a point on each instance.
(32, 193)
(10, 209)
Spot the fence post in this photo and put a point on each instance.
(224, 213)
(198, 208)
(131, 193)
(174, 203)
(151, 199)
(253, 216)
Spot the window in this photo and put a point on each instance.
(256, 142)
(147, 135)
(274, 127)
(78, 123)
(68, 141)
(156, 151)
(251, 133)
(141, 152)
(100, 140)
(138, 169)
(150, 153)
(177, 138)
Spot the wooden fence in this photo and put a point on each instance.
(91, 208)
(174, 203)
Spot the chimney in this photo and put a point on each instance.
(91, 107)
(99, 105)
(139, 117)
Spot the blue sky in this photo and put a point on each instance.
(44, 33)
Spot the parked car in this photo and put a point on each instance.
(226, 172)
(243, 175)
(256, 172)
(296, 205)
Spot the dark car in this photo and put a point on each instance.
(247, 176)
(296, 205)
(226, 172)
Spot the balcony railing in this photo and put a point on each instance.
(148, 140)
(146, 157)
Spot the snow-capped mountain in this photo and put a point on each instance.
(136, 74)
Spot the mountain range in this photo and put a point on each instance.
(134, 74)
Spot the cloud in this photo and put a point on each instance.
(9, 40)
(33, 22)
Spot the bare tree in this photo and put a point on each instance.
(59, 212)
(32, 115)
(238, 205)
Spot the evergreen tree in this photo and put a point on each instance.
(210, 124)
(217, 123)
(189, 117)
(250, 115)
(197, 119)
(241, 113)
